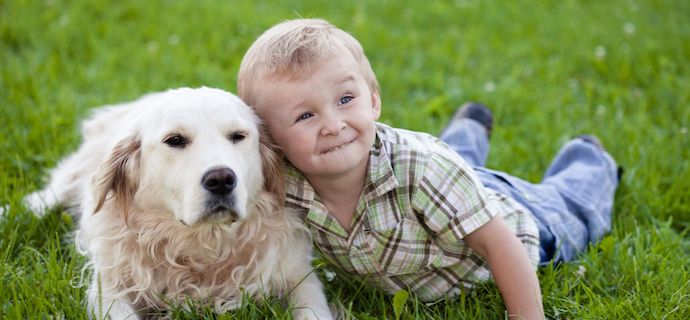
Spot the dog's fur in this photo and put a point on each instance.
(154, 228)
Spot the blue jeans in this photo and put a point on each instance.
(571, 205)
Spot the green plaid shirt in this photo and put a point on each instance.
(420, 200)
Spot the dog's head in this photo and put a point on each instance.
(194, 153)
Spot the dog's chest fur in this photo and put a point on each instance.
(167, 262)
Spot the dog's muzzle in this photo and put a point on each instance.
(219, 181)
(220, 203)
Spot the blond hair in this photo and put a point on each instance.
(290, 49)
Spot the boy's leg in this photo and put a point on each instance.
(467, 133)
(586, 177)
(572, 205)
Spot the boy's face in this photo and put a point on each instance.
(323, 122)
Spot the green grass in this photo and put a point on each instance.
(549, 69)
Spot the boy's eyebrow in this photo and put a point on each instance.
(347, 78)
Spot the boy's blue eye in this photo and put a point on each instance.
(304, 116)
(346, 99)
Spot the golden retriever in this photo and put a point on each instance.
(178, 196)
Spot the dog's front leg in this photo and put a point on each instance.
(309, 300)
(101, 306)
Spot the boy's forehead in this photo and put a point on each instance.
(271, 88)
(340, 65)
(303, 67)
(281, 90)
(273, 95)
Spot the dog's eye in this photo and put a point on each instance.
(176, 141)
(237, 136)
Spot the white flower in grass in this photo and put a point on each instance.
(601, 109)
(629, 28)
(152, 47)
(600, 52)
(330, 275)
(581, 271)
(528, 71)
(64, 20)
(490, 86)
(173, 40)
(637, 93)
(683, 130)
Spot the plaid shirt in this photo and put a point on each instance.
(420, 200)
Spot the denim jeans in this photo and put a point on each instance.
(571, 205)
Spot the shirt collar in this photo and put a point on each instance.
(299, 191)
(380, 177)
(380, 180)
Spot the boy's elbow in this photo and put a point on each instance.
(492, 239)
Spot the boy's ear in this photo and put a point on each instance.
(376, 104)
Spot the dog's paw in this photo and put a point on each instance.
(311, 314)
(40, 202)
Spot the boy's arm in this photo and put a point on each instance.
(510, 267)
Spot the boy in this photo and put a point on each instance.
(401, 207)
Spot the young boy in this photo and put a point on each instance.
(403, 208)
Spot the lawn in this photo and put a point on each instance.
(549, 69)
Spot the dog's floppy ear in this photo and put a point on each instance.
(272, 167)
(119, 174)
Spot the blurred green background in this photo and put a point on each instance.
(549, 70)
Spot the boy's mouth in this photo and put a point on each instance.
(338, 147)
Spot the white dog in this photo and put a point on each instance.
(178, 198)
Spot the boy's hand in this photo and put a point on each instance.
(510, 267)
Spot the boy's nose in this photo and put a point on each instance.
(332, 125)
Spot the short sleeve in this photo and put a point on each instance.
(451, 201)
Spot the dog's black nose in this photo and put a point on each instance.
(219, 181)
